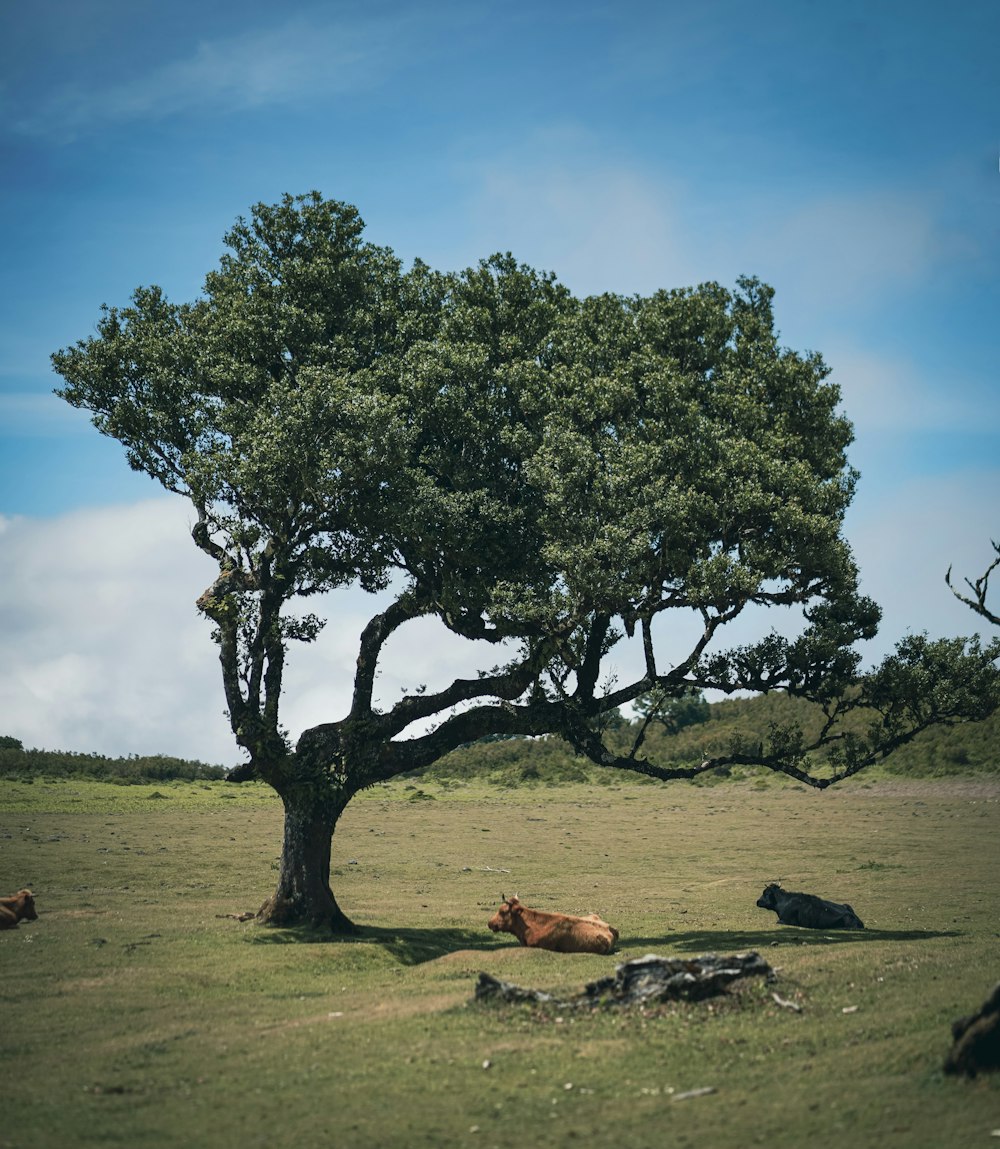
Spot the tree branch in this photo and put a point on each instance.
(594, 651)
(922, 685)
(410, 604)
(507, 686)
(979, 588)
(534, 718)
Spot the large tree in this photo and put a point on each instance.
(544, 474)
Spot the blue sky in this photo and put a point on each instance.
(846, 154)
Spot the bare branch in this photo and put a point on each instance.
(533, 718)
(647, 648)
(641, 735)
(410, 604)
(979, 588)
(506, 686)
(965, 687)
(594, 650)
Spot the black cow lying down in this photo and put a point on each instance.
(808, 910)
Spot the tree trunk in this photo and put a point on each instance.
(303, 896)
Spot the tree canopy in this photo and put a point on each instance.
(547, 474)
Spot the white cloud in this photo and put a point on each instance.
(103, 650)
(300, 59)
(100, 642)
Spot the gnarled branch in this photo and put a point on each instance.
(980, 589)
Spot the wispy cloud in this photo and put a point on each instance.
(599, 226)
(883, 392)
(34, 413)
(298, 60)
(563, 205)
(605, 223)
(849, 248)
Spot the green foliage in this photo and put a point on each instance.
(534, 467)
(18, 763)
(539, 472)
(672, 711)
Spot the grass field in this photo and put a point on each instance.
(136, 1014)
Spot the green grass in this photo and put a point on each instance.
(135, 1015)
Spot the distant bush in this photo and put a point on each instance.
(18, 763)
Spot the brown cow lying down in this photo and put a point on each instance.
(560, 932)
(12, 910)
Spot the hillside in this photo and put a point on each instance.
(973, 748)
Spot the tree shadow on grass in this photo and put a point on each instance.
(414, 946)
(728, 941)
(408, 945)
